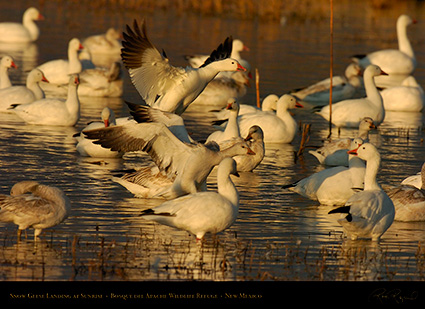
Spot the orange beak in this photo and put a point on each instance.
(13, 65)
(298, 105)
(241, 68)
(354, 151)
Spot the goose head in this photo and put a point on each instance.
(8, 62)
(288, 101)
(255, 133)
(23, 187)
(36, 76)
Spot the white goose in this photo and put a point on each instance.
(394, 61)
(407, 97)
(267, 105)
(343, 87)
(232, 128)
(23, 94)
(43, 206)
(278, 128)
(409, 201)
(87, 148)
(104, 44)
(50, 111)
(349, 113)
(58, 71)
(162, 85)
(333, 186)
(255, 140)
(202, 212)
(21, 33)
(220, 89)
(369, 213)
(6, 63)
(186, 164)
(334, 153)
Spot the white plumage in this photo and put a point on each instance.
(24, 32)
(202, 212)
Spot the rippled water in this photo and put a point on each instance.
(278, 235)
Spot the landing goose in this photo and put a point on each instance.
(21, 33)
(407, 97)
(58, 71)
(334, 153)
(87, 148)
(51, 111)
(162, 85)
(343, 87)
(23, 94)
(202, 212)
(187, 164)
(6, 63)
(409, 201)
(368, 213)
(34, 205)
(349, 113)
(335, 185)
(278, 128)
(393, 61)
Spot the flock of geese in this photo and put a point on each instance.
(180, 166)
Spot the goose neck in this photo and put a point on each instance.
(32, 27)
(403, 41)
(372, 92)
(226, 187)
(372, 166)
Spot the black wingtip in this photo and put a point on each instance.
(223, 51)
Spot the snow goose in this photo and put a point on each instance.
(50, 111)
(21, 33)
(162, 85)
(186, 164)
(335, 185)
(414, 180)
(408, 97)
(23, 94)
(107, 43)
(31, 204)
(87, 148)
(220, 89)
(267, 105)
(369, 213)
(58, 71)
(409, 201)
(6, 63)
(349, 113)
(334, 153)
(202, 212)
(393, 61)
(232, 127)
(343, 87)
(278, 128)
(255, 140)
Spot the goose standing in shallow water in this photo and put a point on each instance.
(23, 94)
(369, 213)
(6, 63)
(278, 128)
(393, 61)
(50, 111)
(202, 212)
(409, 201)
(334, 153)
(349, 113)
(162, 85)
(21, 33)
(333, 186)
(42, 207)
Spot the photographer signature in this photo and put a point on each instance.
(394, 295)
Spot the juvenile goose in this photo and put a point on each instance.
(162, 85)
(202, 212)
(42, 207)
(369, 213)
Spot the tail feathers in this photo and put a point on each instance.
(151, 212)
(343, 209)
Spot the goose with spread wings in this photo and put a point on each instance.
(186, 164)
(162, 85)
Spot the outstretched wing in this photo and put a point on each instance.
(150, 71)
(167, 151)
